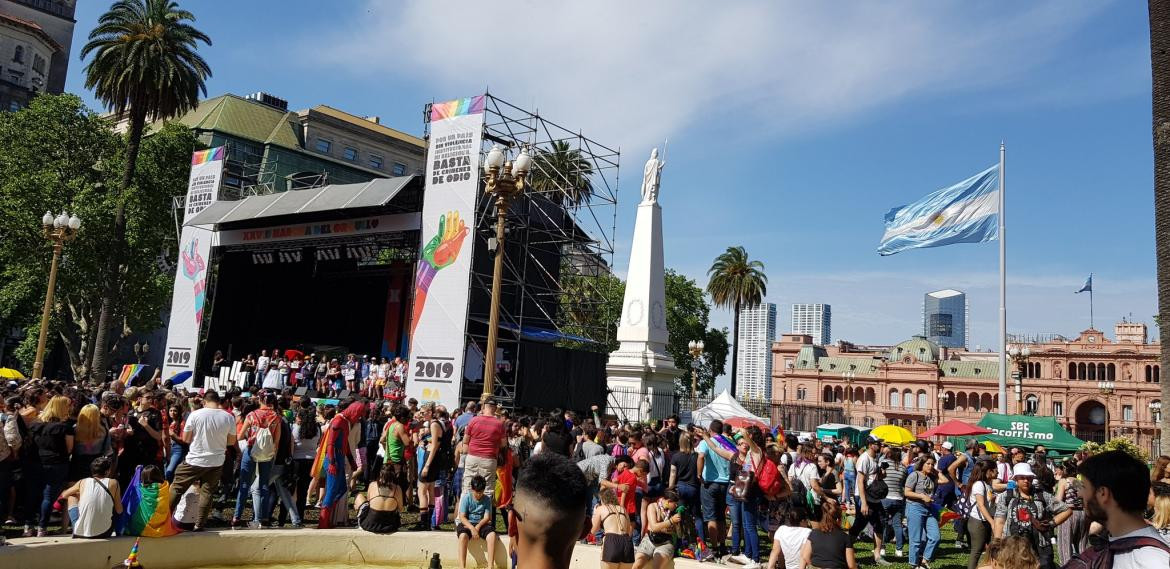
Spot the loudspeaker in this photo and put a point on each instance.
(300, 392)
(344, 393)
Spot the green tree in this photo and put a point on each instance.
(563, 170)
(145, 65)
(1160, 66)
(57, 154)
(736, 282)
(592, 307)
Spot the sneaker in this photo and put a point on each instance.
(236, 523)
(42, 532)
(881, 561)
(28, 532)
(297, 525)
(740, 559)
(898, 553)
(752, 565)
(959, 545)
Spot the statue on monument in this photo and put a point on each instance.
(651, 177)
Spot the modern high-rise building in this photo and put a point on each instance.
(757, 332)
(814, 320)
(944, 318)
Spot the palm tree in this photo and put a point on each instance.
(563, 169)
(1160, 63)
(736, 282)
(144, 65)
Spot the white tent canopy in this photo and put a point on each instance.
(723, 407)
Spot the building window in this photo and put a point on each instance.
(399, 169)
(38, 64)
(376, 162)
(801, 393)
(324, 146)
(941, 325)
(1127, 412)
(18, 55)
(908, 399)
(1031, 404)
(14, 106)
(1111, 370)
(922, 399)
(1057, 409)
(350, 154)
(895, 398)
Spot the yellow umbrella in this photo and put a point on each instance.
(9, 373)
(992, 446)
(894, 435)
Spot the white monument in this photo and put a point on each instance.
(641, 367)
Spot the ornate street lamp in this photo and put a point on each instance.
(942, 403)
(58, 230)
(141, 349)
(1019, 357)
(1106, 388)
(848, 376)
(504, 181)
(695, 347)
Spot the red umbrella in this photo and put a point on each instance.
(294, 355)
(954, 428)
(744, 422)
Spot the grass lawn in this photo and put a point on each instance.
(947, 556)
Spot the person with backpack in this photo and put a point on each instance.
(260, 437)
(871, 490)
(1116, 486)
(1028, 511)
(744, 496)
(801, 474)
(713, 462)
(894, 503)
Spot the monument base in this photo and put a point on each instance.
(641, 384)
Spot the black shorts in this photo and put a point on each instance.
(484, 531)
(433, 474)
(617, 548)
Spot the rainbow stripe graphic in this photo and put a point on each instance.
(146, 509)
(129, 372)
(457, 108)
(209, 155)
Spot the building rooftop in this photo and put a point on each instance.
(366, 123)
(31, 27)
(946, 293)
(917, 347)
(237, 116)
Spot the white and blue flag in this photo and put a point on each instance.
(967, 212)
(1088, 285)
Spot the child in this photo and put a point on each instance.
(474, 520)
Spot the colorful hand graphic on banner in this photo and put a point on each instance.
(440, 252)
(193, 268)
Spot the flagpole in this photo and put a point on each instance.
(1091, 305)
(1002, 288)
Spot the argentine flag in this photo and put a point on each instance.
(967, 212)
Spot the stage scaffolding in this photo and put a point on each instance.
(557, 246)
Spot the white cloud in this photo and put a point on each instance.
(633, 73)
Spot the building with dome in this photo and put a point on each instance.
(1095, 387)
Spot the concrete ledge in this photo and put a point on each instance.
(252, 547)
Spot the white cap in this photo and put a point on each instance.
(948, 445)
(1023, 470)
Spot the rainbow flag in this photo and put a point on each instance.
(457, 108)
(130, 371)
(146, 509)
(209, 155)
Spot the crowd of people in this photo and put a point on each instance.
(374, 377)
(260, 456)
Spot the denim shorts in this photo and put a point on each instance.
(714, 501)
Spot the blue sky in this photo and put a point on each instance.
(793, 128)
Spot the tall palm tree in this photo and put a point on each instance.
(736, 282)
(563, 169)
(145, 65)
(1160, 63)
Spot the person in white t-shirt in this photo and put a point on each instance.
(209, 432)
(261, 366)
(1116, 487)
(788, 540)
(978, 495)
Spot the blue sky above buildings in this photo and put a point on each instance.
(793, 128)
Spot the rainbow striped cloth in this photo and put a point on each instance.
(146, 509)
(131, 371)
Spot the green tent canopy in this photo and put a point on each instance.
(1028, 431)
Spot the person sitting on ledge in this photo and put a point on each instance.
(550, 500)
(382, 511)
(474, 520)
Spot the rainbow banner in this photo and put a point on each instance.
(457, 108)
(209, 155)
(146, 509)
(130, 372)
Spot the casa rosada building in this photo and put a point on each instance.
(1094, 386)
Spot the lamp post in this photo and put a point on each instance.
(1156, 414)
(848, 376)
(695, 347)
(57, 229)
(141, 349)
(942, 403)
(1019, 357)
(503, 182)
(1106, 388)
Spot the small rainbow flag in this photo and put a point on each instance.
(209, 155)
(457, 108)
(129, 372)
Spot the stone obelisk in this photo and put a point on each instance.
(641, 373)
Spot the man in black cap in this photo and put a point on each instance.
(871, 490)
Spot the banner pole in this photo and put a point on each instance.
(1091, 302)
(1002, 287)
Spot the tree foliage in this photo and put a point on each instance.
(1125, 444)
(56, 154)
(563, 170)
(736, 282)
(592, 307)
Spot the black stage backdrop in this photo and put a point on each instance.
(554, 377)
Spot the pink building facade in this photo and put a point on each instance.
(1095, 387)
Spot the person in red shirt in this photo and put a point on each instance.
(629, 481)
(485, 436)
